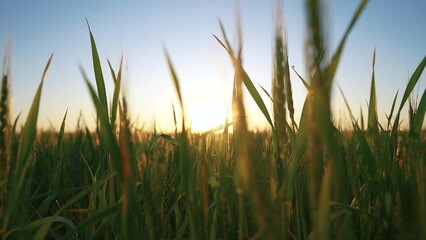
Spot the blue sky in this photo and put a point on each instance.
(139, 30)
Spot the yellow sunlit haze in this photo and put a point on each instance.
(208, 114)
(207, 101)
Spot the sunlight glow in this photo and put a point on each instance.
(207, 114)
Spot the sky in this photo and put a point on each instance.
(141, 32)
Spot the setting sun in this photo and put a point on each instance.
(205, 115)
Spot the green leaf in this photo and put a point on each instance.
(247, 81)
(299, 150)
(332, 67)
(61, 135)
(100, 83)
(323, 215)
(420, 115)
(354, 122)
(392, 109)
(107, 134)
(410, 86)
(40, 222)
(372, 109)
(26, 145)
(266, 92)
(43, 230)
(307, 86)
(256, 97)
(117, 87)
(176, 83)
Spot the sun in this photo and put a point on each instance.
(207, 114)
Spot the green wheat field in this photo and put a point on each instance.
(295, 180)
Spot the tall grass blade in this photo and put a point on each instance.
(107, 134)
(247, 82)
(332, 67)
(354, 122)
(372, 110)
(129, 168)
(319, 103)
(117, 89)
(410, 86)
(175, 81)
(392, 110)
(247, 169)
(322, 230)
(57, 157)
(305, 83)
(23, 161)
(186, 163)
(44, 229)
(100, 83)
(420, 116)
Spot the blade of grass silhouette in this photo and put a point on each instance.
(177, 87)
(108, 137)
(266, 92)
(249, 85)
(410, 86)
(307, 86)
(100, 83)
(354, 122)
(186, 164)
(26, 145)
(420, 115)
(332, 67)
(392, 110)
(372, 109)
(117, 89)
(58, 159)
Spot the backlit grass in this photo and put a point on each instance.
(294, 181)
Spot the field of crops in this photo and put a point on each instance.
(297, 180)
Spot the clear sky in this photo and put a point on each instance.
(138, 30)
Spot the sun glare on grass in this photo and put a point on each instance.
(206, 115)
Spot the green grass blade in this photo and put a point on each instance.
(300, 145)
(354, 122)
(322, 230)
(100, 83)
(43, 230)
(256, 97)
(372, 109)
(58, 151)
(266, 92)
(96, 217)
(175, 83)
(107, 134)
(410, 86)
(186, 164)
(420, 115)
(26, 145)
(117, 88)
(305, 83)
(40, 222)
(61, 135)
(228, 45)
(392, 109)
(247, 82)
(332, 67)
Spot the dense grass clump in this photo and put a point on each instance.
(294, 181)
